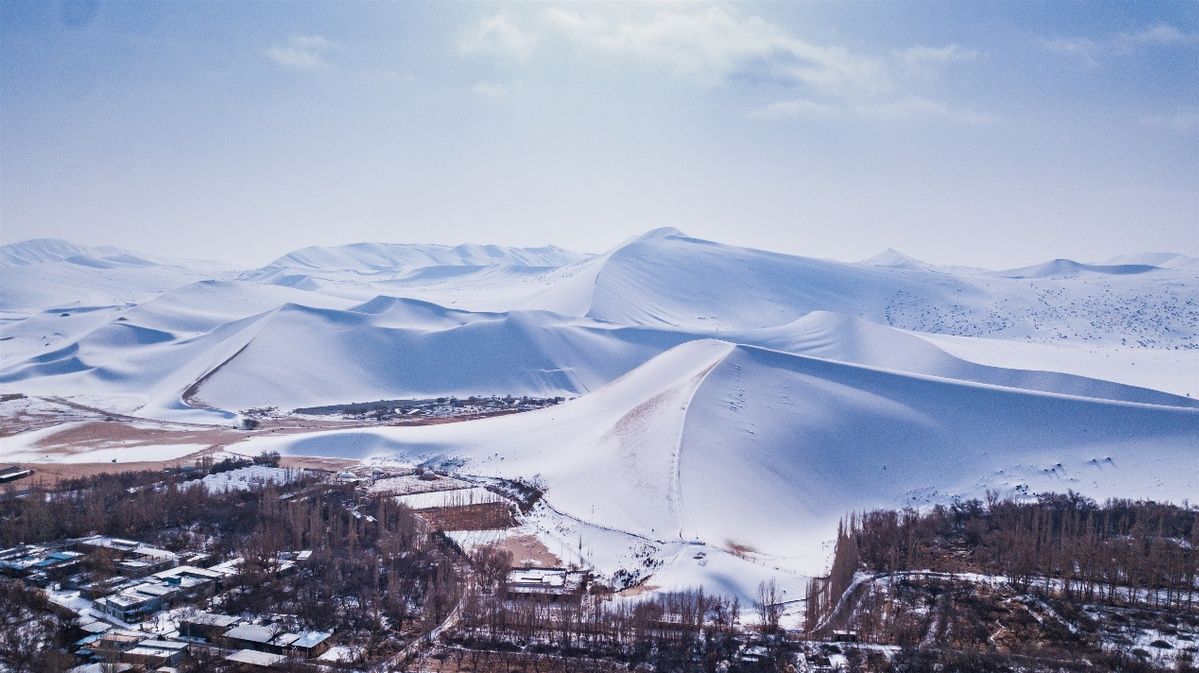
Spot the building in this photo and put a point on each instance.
(39, 565)
(13, 473)
(311, 644)
(545, 584)
(102, 587)
(91, 626)
(153, 653)
(206, 625)
(192, 582)
(11, 558)
(275, 640)
(111, 645)
(137, 559)
(129, 605)
(134, 602)
(253, 637)
(254, 660)
(101, 668)
(845, 636)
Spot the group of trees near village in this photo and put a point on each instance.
(132, 504)
(373, 569)
(374, 574)
(1138, 553)
(680, 631)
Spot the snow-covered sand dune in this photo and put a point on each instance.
(299, 355)
(381, 320)
(737, 398)
(748, 448)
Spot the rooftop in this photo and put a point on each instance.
(545, 580)
(193, 571)
(148, 651)
(253, 633)
(311, 638)
(128, 546)
(211, 619)
(256, 658)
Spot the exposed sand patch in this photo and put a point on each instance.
(529, 550)
(637, 590)
(49, 474)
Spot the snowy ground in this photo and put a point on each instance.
(1170, 370)
(457, 497)
(731, 401)
(243, 478)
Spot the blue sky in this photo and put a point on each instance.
(990, 134)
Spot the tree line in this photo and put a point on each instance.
(1123, 551)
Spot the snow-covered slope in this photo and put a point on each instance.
(302, 356)
(666, 278)
(369, 258)
(897, 260)
(834, 336)
(37, 250)
(776, 445)
(465, 329)
(250, 355)
(43, 274)
(747, 448)
(894, 259)
(1068, 268)
(1165, 260)
(740, 398)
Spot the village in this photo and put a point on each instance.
(245, 565)
(129, 604)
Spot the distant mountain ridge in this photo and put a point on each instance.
(1164, 260)
(40, 250)
(1067, 268)
(372, 258)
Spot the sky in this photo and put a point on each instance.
(989, 134)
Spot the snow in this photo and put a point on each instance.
(1173, 371)
(451, 498)
(761, 452)
(120, 453)
(245, 478)
(1165, 260)
(1068, 268)
(372, 258)
(414, 483)
(470, 540)
(489, 321)
(339, 653)
(46, 273)
(31, 447)
(728, 400)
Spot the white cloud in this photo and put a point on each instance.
(922, 55)
(902, 109)
(1182, 121)
(717, 44)
(926, 63)
(490, 89)
(1090, 51)
(497, 34)
(1072, 46)
(791, 109)
(915, 107)
(1159, 34)
(304, 52)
